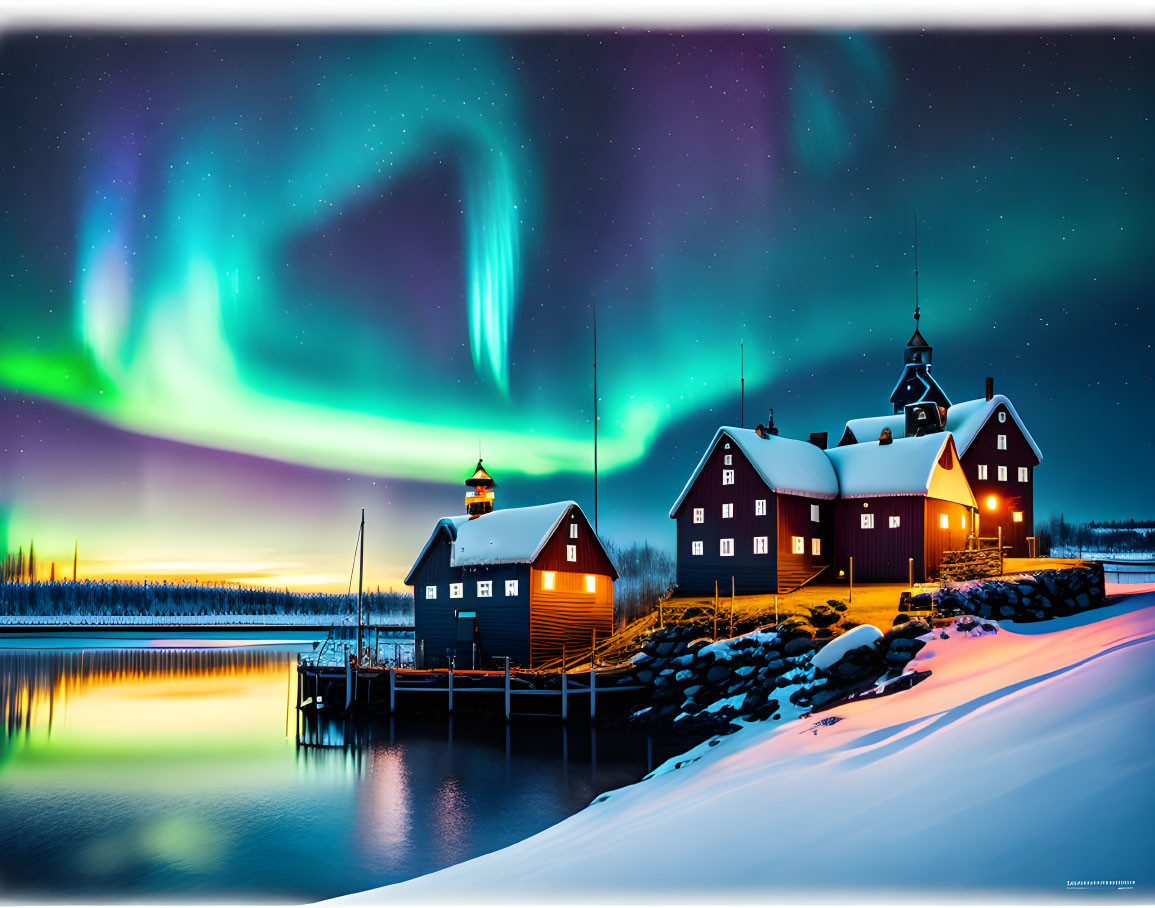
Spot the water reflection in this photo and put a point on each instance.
(142, 773)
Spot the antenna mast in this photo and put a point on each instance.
(742, 371)
(916, 269)
(595, 308)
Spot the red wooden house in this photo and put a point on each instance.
(901, 504)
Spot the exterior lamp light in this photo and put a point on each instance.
(992, 503)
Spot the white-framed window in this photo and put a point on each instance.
(729, 459)
(727, 477)
(430, 592)
(591, 583)
(1002, 442)
(761, 545)
(815, 546)
(548, 580)
(943, 522)
(573, 531)
(727, 446)
(1002, 416)
(699, 515)
(895, 521)
(982, 471)
(726, 547)
(727, 510)
(1024, 474)
(456, 590)
(571, 553)
(1002, 473)
(815, 514)
(484, 589)
(866, 521)
(511, 587)
(760, 507)
(798, 544)
(1017, 516)
(696, 547)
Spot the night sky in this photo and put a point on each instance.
(252, 283)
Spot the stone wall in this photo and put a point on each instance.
(1031, 597)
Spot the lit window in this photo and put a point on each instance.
(696, 547)
(814, 513)
(430, 592)
(964, 521)
(455, 590)
(727, 477)
(992, 503)
(727, 510)
(547, 579)
(1002, 416)
(1002, 474)
(726, 547)
(816, 546)
(484, 589)
(895, 521)
(1017, 516)
(761, 545)
(591, 583)
(573, 531)
(760, 507)
(867, 521)
(1002, 442)
(511, 587)
(699, 515)
(982, 471)
(729, 459)
(571, 553)
(943, 522)
(799, 545)
(1024, 474)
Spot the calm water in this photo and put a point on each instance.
(176, 774)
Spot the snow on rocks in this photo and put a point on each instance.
(863, 635)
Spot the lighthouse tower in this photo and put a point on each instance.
(479, 497)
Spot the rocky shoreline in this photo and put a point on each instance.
(701, 686)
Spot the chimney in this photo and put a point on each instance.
(818, 439)
(770, 427)
(885, 437)
(990, 387)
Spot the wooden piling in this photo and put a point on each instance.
(392, 690)
(593, 692)
(348, 682)
(507, 688)
(450, 677)
(850, 598)
(564, 692)
(731, 606)
(715, 609)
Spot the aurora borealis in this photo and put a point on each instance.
(253, 282)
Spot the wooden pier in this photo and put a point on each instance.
(506, 693)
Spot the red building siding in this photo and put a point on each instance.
(1011, 495)
(795, 519)
(940, 539)
(880, 554)
(752, 573)
(591, 559)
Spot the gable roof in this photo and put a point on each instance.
(507, 536)
(964, 420)
(786, 465)
(904, 467)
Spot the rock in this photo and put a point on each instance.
(717, 672)
(692, 690)
(798, 645)
(1083, 600)
(822, 616)
(775, 665)
(683, 675)
(645, 676)
(745, 670)
(900, 619)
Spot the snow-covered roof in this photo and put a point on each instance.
(506, 536)
(964, 420)
(786, 465)
(903, 467)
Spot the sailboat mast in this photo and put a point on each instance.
(360, 582)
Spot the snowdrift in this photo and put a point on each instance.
(1023, 765)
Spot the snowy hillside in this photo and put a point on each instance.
(1023, 765)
